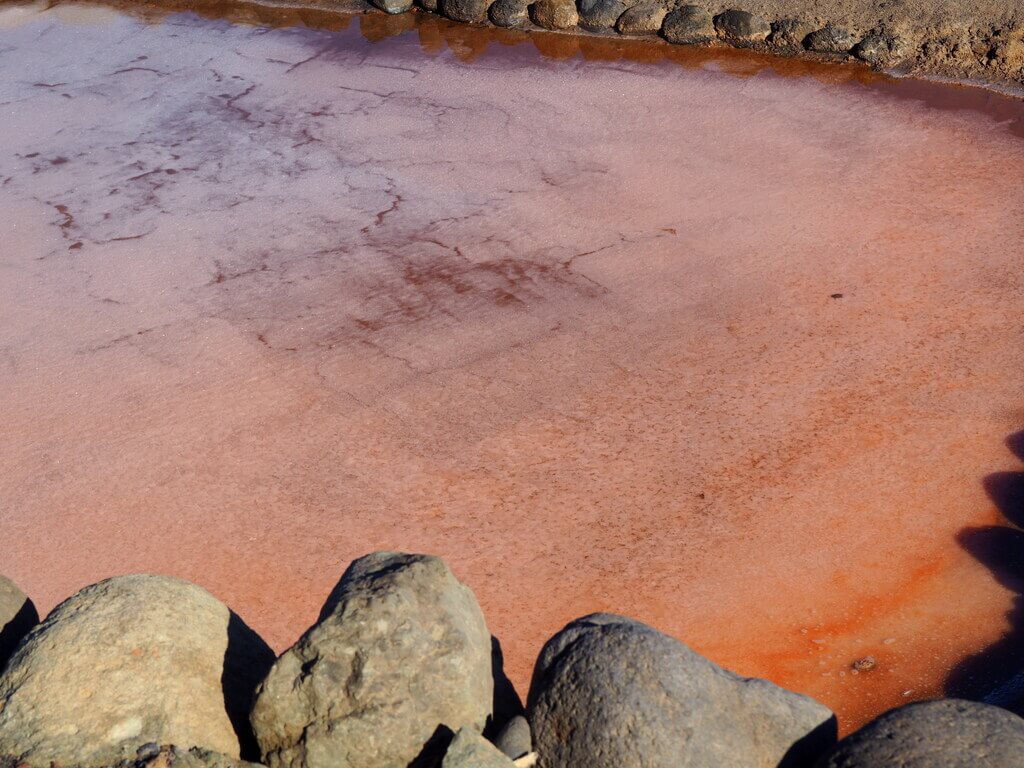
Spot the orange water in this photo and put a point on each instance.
(726, 345)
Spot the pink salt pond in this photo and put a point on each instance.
(726, 344)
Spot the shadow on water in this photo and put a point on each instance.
(996, 674)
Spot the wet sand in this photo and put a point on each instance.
(728, 346)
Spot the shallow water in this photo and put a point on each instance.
(727, 344)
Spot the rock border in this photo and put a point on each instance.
(976, 51)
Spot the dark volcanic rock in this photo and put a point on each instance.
(601, 14)
(126, 662)
(471, 750)
(514, 739)
(399, 659)
(471, 11)
(509, 13)
(609, 692)
(741, 28)
(17, 616)
(830, 40)
(789, 34)
(689, 25)
(950, 733)
(644, 18)
(554, 14)
(875, 49)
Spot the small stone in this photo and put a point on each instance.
(689, 25)
(429, 5)
(514, 739)
(948, 733)
(471, 750)
(864, 665)
(468, 11)
(889, 641)
(17, 616)
(789, 34)
(554, 14)
(642, 19)
(741, 28)
(830, 40)
(509, 13)
(597, 15)
(393, 6)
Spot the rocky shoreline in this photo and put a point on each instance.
(401, 670)
(975, 41)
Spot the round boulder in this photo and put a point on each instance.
(830, 40)
(598, 15)
(469, 11)
(554, 14)
(950, 733)
(610, 692)
(642, 19)
(742, 28)
(130, 661)
(688, 25)
(17, 616)
(399, 659)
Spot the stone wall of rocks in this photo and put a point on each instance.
(401, 671)
(984, 40)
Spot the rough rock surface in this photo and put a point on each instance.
(601, 14)
(608, 691)
(831, 40)
(689, 25)
(399, 659)
(168, 756)
(125, 662)
(514, 739)
(554, 14)
(788, 35)
(950, 733)
(393, 6)
(643, 18)
(741, 28)
(17, 616)
(509, 13)
(471, 11)
(471, 750)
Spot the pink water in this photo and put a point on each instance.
(728, 347)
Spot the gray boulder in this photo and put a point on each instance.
(554, 14)
(644, 18)
(126, 662)
(393, 6)
(399, 659)
(789, 34)
(950, 733)
(877, 49)
(689, 25)
(741, 28)
(17, 616)
(471, 750)
(597, 15)
(509, 13)
(514, 739)
(830, 40)
(610, 692)
(470, 11)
